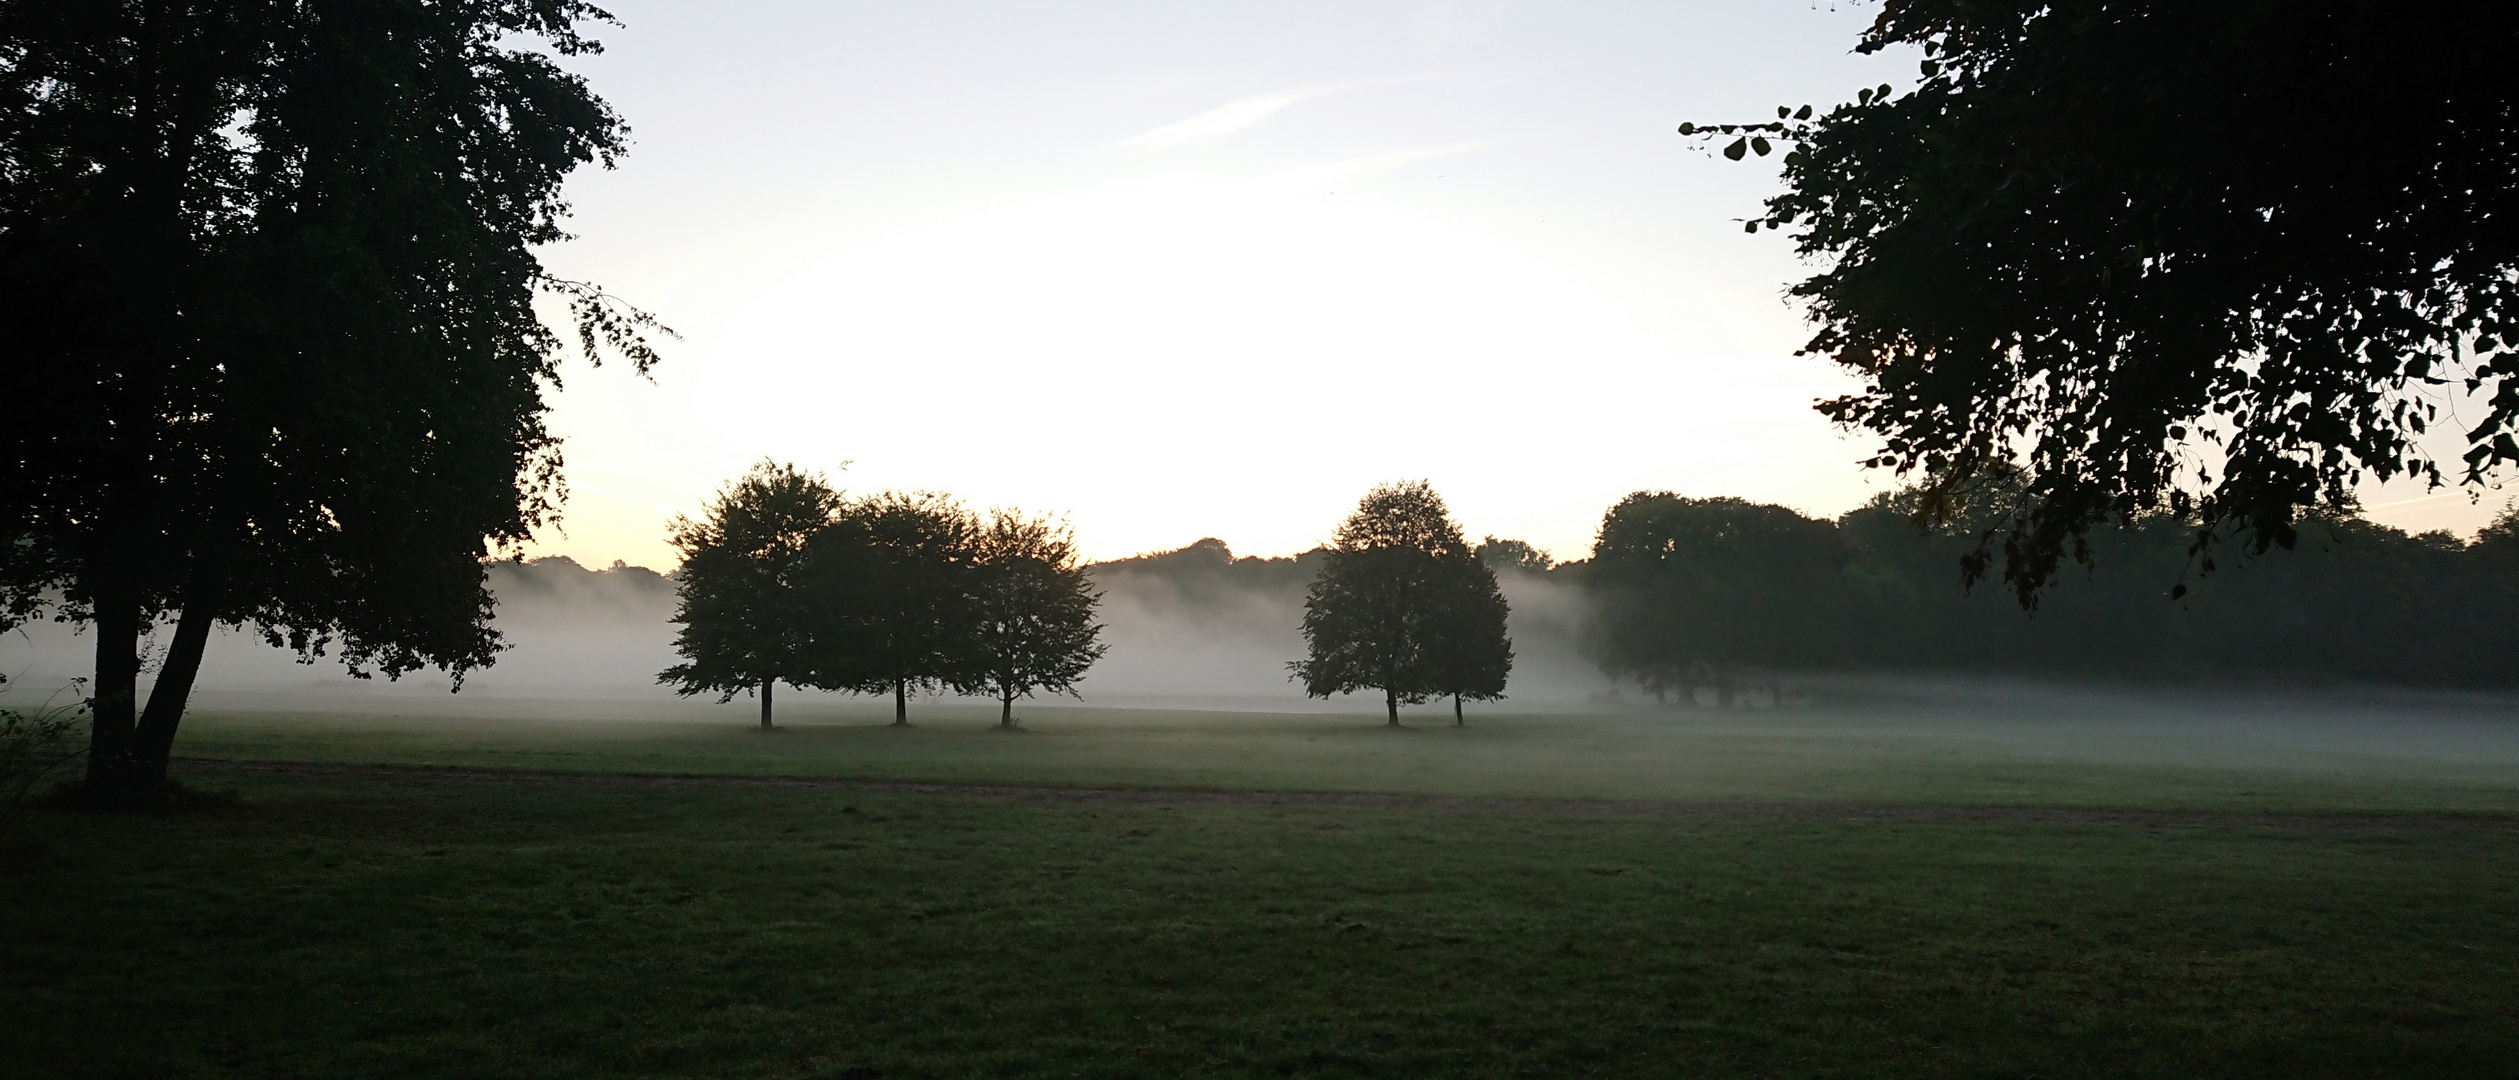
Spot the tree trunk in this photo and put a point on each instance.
(766, 684)
(900, 703)
(113, 722)
(1390, 700)
(1005, 710)
(1456, 712)
(154, 742)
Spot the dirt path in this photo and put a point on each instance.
(1795, 811)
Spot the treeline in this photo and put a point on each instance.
(786, 580)
(1699, 595)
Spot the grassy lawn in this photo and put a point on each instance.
(2205, 756)
(422, 924)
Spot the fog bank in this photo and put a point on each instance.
(1194, 628)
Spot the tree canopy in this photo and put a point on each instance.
(1032, 612)
(743, 625)
(1403, 605)
(270, 272)
(1689, 591)
(2218, 258)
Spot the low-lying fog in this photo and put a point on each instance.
(1194, 628)
(1200, 629)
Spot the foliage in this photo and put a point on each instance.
(1682, 587)
(272, 277)
(2219, 260)
(32, 744)
(1402, 605)
(1505, 555)
(743, 628)
(1468, 654)
(891, 590)
(1032, 609)
(1690, 591)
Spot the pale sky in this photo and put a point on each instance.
(1179, 270)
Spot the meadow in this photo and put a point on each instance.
(1892, 890)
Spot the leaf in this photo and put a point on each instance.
(1931, 68)
(1804, 114)
(1784, 112)
(1687, 128)
(1761, 146)
(1749, 226)
(1863, 98)
(1738, 147)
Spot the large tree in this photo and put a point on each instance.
(269, 278)
(1695, 590)
(1468, 653)
(2223, 258)
(1032, 612)
(891, 587)
(744, 621)
(1367, 616)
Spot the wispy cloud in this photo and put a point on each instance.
(1222, 120)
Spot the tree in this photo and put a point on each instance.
(270, 273)
(2216, 258)
(740, 588)
(891, 585)
(1032, 612)
(1468, 654)
(1514, 555)
(1704, 587)
(1366, 617)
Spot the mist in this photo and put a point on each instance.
(1199, 628)
(1195, 628)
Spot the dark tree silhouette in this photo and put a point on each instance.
(744, 624)
(2212, 258)
(891, 586)
(1032, 612)
(1468, 655)
(270, 279)
(1514, 555)
(1696, 589)
(1366, 616)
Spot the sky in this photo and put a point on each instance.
(1181, 270)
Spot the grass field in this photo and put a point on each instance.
(1863, 905)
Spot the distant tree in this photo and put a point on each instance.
(1032, 612)
(1468, 654)
(1514, 555)
(1366, 617)
(740, 589)
(270, 276)
(893, 590)
(2219, 258)
(1696, 589)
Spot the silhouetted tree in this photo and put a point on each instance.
(1690, 588)
(740, 588)
(1468, 654)
(1032, 612)
(893, 593)
(1366, 617)
(1514, 555)
(2121, 244)
(270, 279)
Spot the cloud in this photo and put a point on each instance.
(1222, 120)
